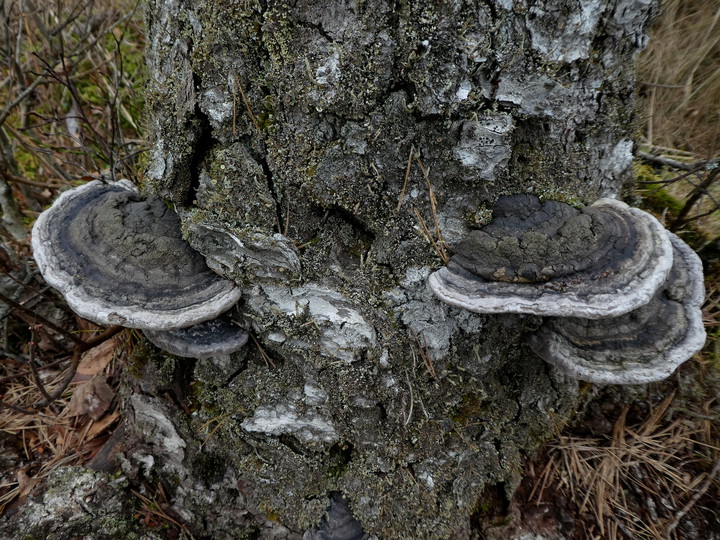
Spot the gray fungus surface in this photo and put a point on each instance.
(120, 259)
(530, 241)
(547, 258)
(642, 346)
(624, 294)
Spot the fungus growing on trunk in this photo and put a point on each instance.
(550, 259)
(622, 294)
(338, 523)
(120, 259)
(216, 337)
(642, 346)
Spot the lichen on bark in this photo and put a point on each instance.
(76, 503)
(334, 132)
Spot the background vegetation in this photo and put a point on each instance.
(71, 100)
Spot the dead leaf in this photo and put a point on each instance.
(60, 433)
(96, 359)
(25, 484)
(101, 425)
(92, 398)
(93, 447)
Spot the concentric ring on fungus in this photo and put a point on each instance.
(642, 346)
(549, 259)
(210, 338)
(120, 259)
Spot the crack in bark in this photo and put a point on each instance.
(262, 160)
(202, 147)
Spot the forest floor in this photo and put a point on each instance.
(638, 462)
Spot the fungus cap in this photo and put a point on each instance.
(550, 259)
(642, 346)
(216, 337)
(119, 259)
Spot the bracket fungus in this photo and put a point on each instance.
(216, 337)
(120, 259)
(642, 346)
(621, 294)
(550, 259)
(338, 523)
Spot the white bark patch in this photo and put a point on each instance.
(328, 73)
(463, 90)
(543, 96)
(158, 430)
(249, 254)
(618, 159)
(484, 144)
(564, 37)
(314, 395)
(275, 420)
(71, 499)
(631, 16)
(427, 478)
(429, 319)
(217, 106)
(157, 163)
(344, 332)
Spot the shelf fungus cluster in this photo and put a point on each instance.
(621, 296)
(120, 259)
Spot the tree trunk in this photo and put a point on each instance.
(326, 155)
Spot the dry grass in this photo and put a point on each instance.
(69, 431)
(679, 82)
(70, 74)
(687, 194)
(679, 74)
(642, 481)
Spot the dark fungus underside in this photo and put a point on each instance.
(209, 338)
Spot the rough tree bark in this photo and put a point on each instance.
(342, 142)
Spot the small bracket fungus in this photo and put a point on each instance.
(550, 259)
(338, 523)
(210, 338)
(119, 259)
(244, 253)
(642, 346)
